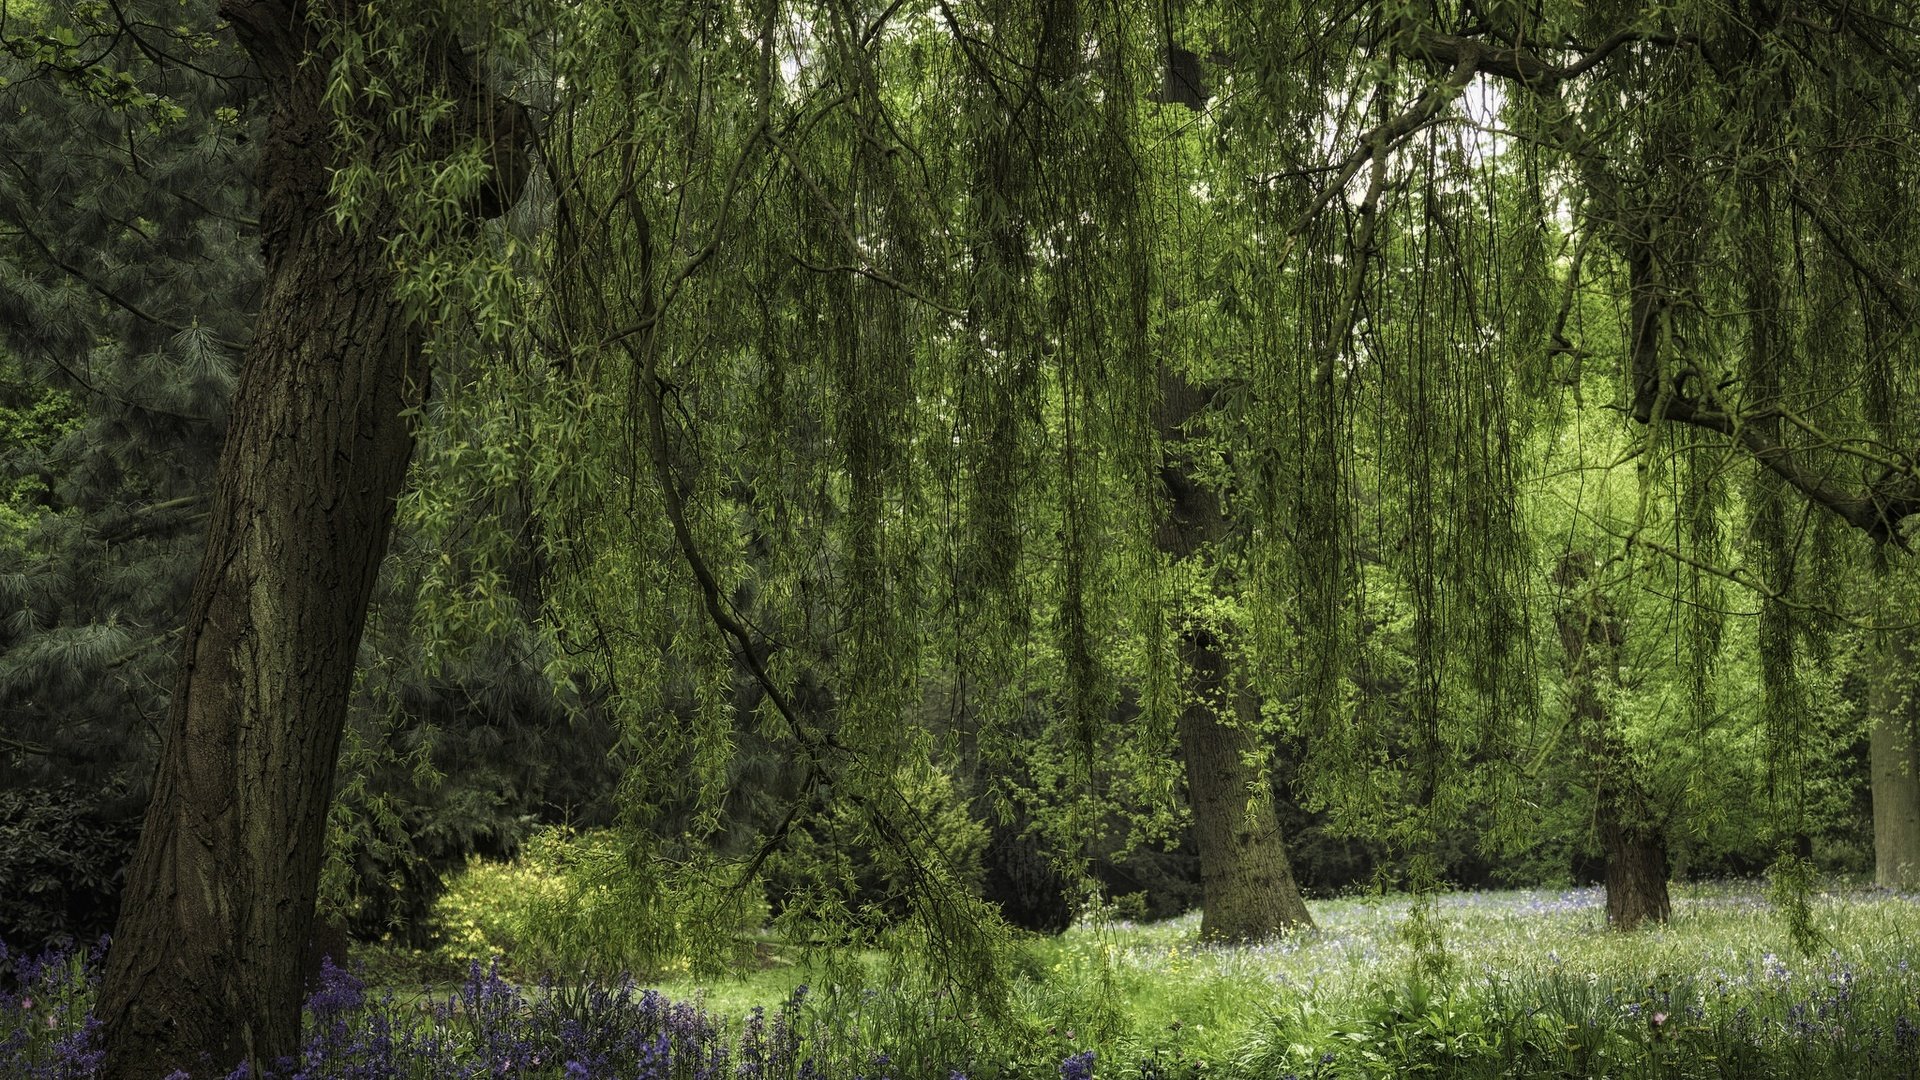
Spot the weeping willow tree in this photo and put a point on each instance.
(921, 397)
(1761, 257)
(984, 256)
(843, 367)
(1426, 330)
(876, 339)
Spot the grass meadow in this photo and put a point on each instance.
(1485, 984)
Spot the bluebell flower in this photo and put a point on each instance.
(339, 991)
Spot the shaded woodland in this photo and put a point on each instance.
(909, 473)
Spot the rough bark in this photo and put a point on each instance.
(204, 971)
(1636, 876)
(1247, 887)
(1893, 706)
(1632, 839)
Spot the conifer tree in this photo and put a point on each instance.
(128, 274)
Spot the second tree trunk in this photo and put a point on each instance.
(1247, 887)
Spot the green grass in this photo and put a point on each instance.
(1719, 935)
(1531, 983)
(1535, 985)
(1719, 932)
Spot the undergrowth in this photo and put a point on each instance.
(1535, 986)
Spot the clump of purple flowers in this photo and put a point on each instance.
(47, 1028)
(1078, 1066)
(487, 1029)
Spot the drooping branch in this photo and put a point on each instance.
(1878, 509)
(641, 347)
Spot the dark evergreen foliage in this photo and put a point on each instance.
(443, 767)
(63, 849)
(128, 268)
(1022, 880)
(129, 272)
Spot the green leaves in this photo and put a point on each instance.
(70, 52)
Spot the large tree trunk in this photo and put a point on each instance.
(1636, 877)
(1893, 705)
(1631, 838)
(1247, 887)
(204, 971)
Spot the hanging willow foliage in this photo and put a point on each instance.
(862, 317)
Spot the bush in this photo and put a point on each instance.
(62, 860)
(583, 902)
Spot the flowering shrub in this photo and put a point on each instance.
(576, 902)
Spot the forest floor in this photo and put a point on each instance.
(1722, 936)
(1474, 986)
(1543, 951)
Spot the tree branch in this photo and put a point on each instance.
(1878, 512)
(22, 746)
(1889, 287)
(1525, 66)
(1894, 496)
(1379, 140)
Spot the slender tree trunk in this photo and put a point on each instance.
(1247, 886)
(1893, 706)
(204, 971)
(1632, 840)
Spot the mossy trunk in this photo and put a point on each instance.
(1894, 756)
(1247, 887)
(1632, 839)
(1636, 875)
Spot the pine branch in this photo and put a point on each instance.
(24, 747)
(153, 519)
(161, 57)
(109, 294)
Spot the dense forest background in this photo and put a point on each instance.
(891, 469)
